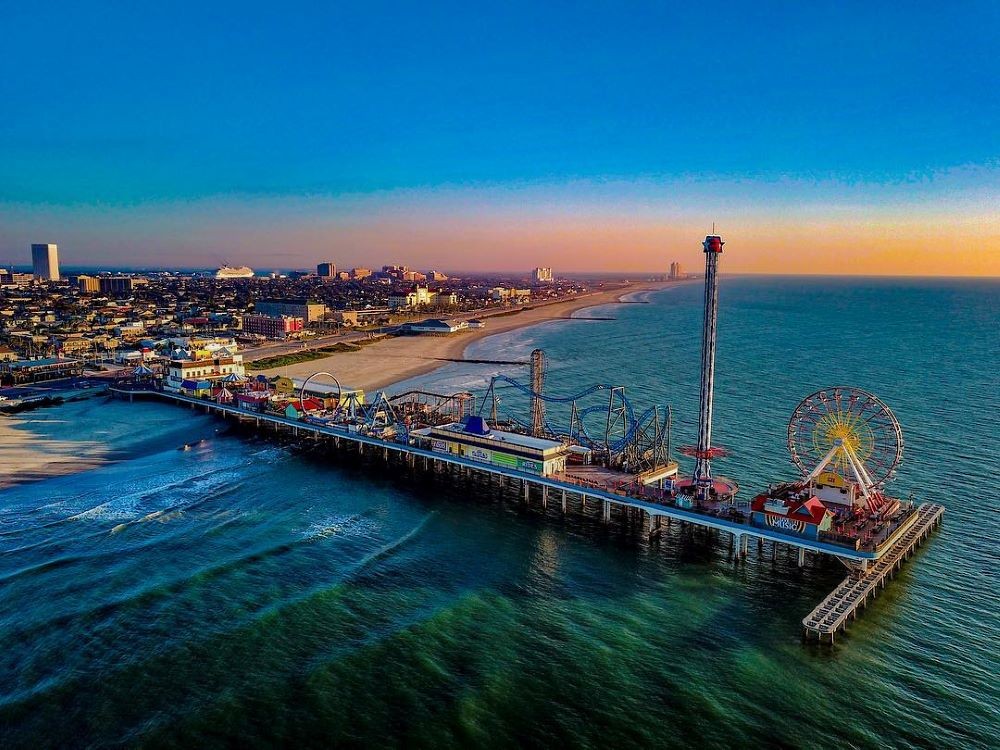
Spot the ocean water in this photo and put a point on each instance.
(244, 593)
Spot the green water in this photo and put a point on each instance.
(242, 594)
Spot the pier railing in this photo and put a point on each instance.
(843, 603)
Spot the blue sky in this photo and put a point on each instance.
(108, 108)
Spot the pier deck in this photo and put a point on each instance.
(569, 482)
(842, 604)
(741, 530)
(873, 566)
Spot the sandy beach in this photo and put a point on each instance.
(383, 363)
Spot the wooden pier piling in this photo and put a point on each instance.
(637, 515)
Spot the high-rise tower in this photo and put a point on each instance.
(702, 485)
(45, 262)
(703, 459)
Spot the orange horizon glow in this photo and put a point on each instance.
(518, 229)
(623, 246)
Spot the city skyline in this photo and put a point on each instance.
(505, 139)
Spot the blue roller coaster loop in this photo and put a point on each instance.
(619, 444)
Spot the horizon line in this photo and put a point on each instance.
(467, 272)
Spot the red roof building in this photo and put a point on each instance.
(298, 407)
(799, 513)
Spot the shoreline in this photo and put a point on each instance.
(29, 457)
(383, 364)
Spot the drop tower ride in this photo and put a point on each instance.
(702, 486)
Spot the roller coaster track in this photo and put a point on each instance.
(632, 424)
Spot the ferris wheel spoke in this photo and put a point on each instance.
(859, 421)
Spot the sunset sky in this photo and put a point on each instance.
(819, 137)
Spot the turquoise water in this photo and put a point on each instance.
(242, 593)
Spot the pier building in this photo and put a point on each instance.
(18, 371)
(474, 439)
(199, 370)
(803, 515)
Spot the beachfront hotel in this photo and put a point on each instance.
(45, 261)
(196, 369)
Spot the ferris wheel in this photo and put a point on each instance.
(847, 431)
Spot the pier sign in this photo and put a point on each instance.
(478, 454)
(786, 524)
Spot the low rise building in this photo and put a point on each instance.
(421, 296)
(509, 294)
(131, 330)
(437, 325)
(296, 307)
(34, 370)
(473, 439)
(120, 285)
(16, 279)
(346, 317)
(88, 284)
(73, 343)
(271, 326)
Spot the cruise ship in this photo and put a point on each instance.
(228, 272)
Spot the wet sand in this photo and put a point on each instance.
(25, 456)
(393, 360)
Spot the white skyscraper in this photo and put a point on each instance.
(45, 262)
(541, 275)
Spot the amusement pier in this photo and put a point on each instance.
(595, 453)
